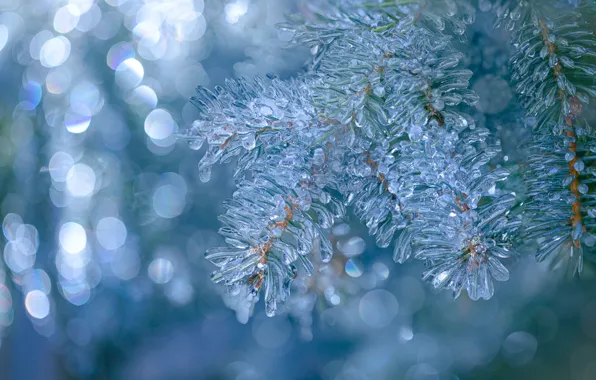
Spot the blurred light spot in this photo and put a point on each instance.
(161, 270)
(341, 229)
(179, 291)
(377, 308)
(58, 81)
(353, 269)
(494, 93)
(27, 239)
(334, 299)
(73, 266)
(143, 95)
(3, 36)
(381, 270)
(66, 19)
(59, 166)
(81, 6)
(55, 51)
(272, 332)
(353, 247)
(72, 237)
(111, 233)
(76, 293)
(119, 53)
(159, 124)
(16, 260)
(148, 32)
(193, 31)
(54, 117)
(37, 279)
(37, 42)
(126, 265)
(108, 26)
(422, 371)
(5, 299)
(10, 225)
(129, 73)
(406, 333)
(30, 95)
(59, 198)
(154, 51)
(89, 19)
(169, 201)
(37, 304)
(76, 123)
(519, 348)
(80, 180)
(85, 99)
(236, 10)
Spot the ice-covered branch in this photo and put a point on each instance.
(554, 68)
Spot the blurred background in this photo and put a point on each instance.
(105, 221)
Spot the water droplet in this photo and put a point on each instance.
(569, 156)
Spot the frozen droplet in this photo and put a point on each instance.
(270, 307)
(266, 111)
(577, 231)
(579, 165)
(196, 143)
(589, 239)
(379, 91)
(415, 132)
(249, 142)
(569, 156)
(530, 121)
(438, 104)
(318, 157)
(205, 173)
